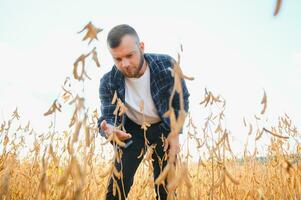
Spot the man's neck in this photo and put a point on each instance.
(142, 70)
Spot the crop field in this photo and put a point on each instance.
(77, 163)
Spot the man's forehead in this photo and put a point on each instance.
(129, 39)
(118, 54)
(127, 45)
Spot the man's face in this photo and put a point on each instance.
(128, 56)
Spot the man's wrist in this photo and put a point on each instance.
(102, 133)
(106, 133)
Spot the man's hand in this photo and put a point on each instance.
(109, 129)
(172, 141)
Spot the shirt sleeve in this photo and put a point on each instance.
(106, 108)
(176, 99)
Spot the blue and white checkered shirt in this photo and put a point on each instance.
(161, 88)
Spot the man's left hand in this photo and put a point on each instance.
(173, 142)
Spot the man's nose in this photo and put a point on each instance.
(125, 63)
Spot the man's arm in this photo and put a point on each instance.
(176, 101)
(173, 141)
(176, 98)
(106, 108)
(168, 63)
(107, 120)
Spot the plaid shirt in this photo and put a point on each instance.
(161, 88)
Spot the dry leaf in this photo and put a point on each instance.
(95, 57)
(114, 98)
(92, 32)
(54, 107)
(75, 68)
(15, 114)
(264, 102)
(277, 8)
(141, 106)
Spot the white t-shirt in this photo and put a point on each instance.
(137, 90)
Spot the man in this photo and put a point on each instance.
(138, 76)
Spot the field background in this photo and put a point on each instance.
(242, 142)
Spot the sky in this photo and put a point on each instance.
(236, 49)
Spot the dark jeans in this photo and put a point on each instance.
(130, 162)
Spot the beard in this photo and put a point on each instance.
(136, 74)
(141, 62)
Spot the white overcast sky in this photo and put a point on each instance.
(234, 48)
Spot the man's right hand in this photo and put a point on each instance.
(109, 129)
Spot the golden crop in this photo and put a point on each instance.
(77, 163)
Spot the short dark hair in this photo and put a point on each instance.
(115, 35)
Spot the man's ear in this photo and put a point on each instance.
(142, 46)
